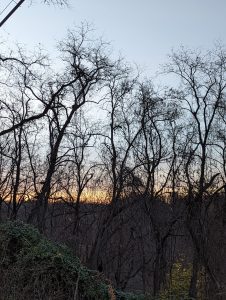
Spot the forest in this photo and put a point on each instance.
(127, 173)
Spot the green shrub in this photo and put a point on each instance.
(31, 267)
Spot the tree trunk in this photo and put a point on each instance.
(159, 269)
(194, 277)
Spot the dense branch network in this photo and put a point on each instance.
(94, 130)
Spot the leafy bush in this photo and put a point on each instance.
(31, 267)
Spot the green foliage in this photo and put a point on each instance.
(179, 281)
(31, 267)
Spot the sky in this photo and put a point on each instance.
(142, 31)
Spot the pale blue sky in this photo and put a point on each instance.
(143, 31)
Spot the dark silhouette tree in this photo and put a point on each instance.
(203, 87)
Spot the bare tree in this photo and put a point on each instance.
(118, 135)
(85, 69)
(78, 171)
(202, 90)
(154, 158)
